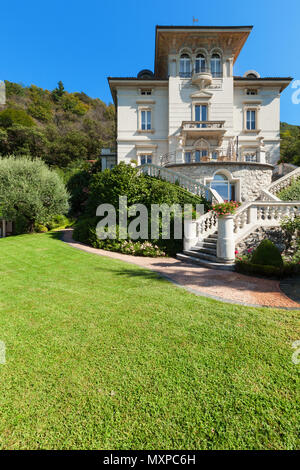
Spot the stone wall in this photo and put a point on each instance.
(250, 178)
(285, 243)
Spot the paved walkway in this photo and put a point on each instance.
(222, 285)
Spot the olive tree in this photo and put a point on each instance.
(31, 191)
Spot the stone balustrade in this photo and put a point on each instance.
(185, 182)
(265, 214)
(284, 182)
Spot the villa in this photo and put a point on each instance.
(193, 115)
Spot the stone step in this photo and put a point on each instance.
(211, 244)
(209, 240)
(205, 263)
(209, 251)
(201, 255)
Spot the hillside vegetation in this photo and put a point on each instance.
(61, 128)
(290, 144)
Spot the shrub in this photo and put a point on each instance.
(30, 192)
(58, 221)
(292, 193)
(11, 116)
(287, 269)
(85, 232)
(124, 180)
(39, 228)
(267, 254)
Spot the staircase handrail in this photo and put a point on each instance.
(186, 182)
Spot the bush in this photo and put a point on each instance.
(267, 254)
(39, 228)
(287, 269)
(58, 221)
(11, 116)
(292, 193)
(85, 232)
(124, 180)
(30, 193)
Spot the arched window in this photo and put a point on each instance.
(200, 63)
(202, 150)
(185, 65)
(215, 65)
(222, 185)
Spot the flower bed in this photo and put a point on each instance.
(225, 208)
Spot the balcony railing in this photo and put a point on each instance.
(191, 125)
(199, 70)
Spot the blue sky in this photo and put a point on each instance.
(81, 43)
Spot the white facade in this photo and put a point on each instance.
(193, 110)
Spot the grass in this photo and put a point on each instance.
(103, 354)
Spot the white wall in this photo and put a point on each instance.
(129, 100)
(268, 101)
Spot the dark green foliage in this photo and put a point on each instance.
(290, 144)
(59, 127)
(267, 271)
(12, 116)
(78, 188)
(30, 193)
(267, 254)
(58, 92)
(292, 193)
(124, 180)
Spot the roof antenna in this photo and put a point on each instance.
(195, 20)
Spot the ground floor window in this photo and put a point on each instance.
(187, 157)
(250, 157)
(144, 159)
(221, 184)
(199, 154)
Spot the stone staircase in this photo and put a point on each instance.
(204, 253)
(268, 211)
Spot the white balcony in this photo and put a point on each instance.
(202, 79)
(203, 129)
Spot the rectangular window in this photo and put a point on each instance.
(201, 114)
(187, 157)
(214, 156)
(251, 120)
(145, 120)
(144, 159)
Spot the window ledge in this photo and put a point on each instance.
(147, 131)
(252, 131)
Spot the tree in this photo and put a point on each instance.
(31, 191)
(59, 91)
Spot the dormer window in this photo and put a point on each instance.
(200, 65)
(252, 92)
(215, 65)
(146, 92)
(185, 65)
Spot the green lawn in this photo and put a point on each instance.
(103, 354)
